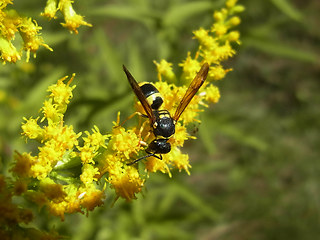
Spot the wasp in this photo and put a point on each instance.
(163, 125)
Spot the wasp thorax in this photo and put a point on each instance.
(164, 125)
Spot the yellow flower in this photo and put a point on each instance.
(8, 52)
(31, 129)
(29, 31)
(96, 139)
(72, 19)
(61, 93)
(124, 143)
(190, 67)
(154, 164)
(217, 73)
(211, 94)
(126, 182)
(91, 197)
(10, 20)
(179, 160)
(180, 136)
(164, 69)
(50, 9)
(89, 173)
(204, 39)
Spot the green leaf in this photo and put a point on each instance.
(281, 49)
(181, 12)
(288, 9)
(126, 12)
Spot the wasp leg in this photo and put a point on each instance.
(131, 116)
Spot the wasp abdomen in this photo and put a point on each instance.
(152, 95)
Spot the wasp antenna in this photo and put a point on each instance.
(139, 159)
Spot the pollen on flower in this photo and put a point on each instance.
(61, 93)
(180, 160)
(126, 183)
(180, 136)
(154, 165)
(50, 111)
(124, 142)
(29, 31)
(96, 139)
(88, 173)
(92, 199)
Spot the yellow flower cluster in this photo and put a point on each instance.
(11, 23)
(72, 19)
(123, 144)
(59, 150)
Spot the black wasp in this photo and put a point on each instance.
(162, 123)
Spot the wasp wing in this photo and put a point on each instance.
(143, 100)
(192, 90)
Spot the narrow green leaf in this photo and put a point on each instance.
(288, 9)
(181, 12)
(125, 12)
(281, 49)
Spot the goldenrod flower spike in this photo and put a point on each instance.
(59, 149)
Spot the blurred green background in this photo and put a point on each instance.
(255, 165)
